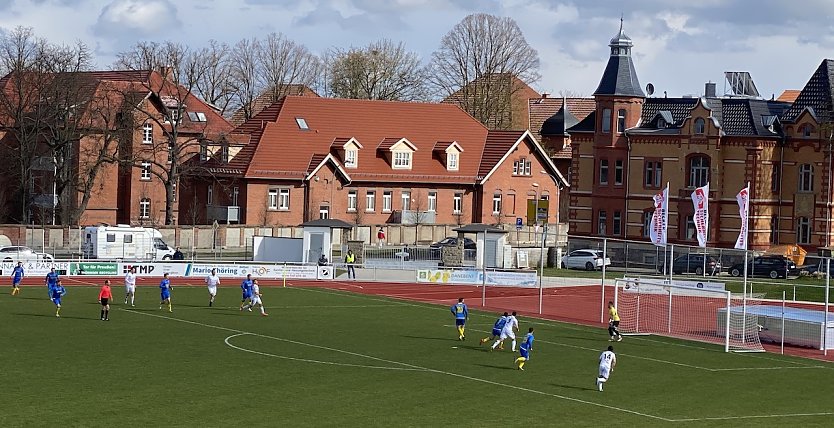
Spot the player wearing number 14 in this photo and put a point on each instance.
(607, 361)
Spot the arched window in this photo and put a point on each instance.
(700, 125)
(698, 171)
(621, 120)
(806, 130)
(806, 178)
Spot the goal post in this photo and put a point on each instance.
(686, 310)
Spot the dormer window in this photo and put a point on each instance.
(402, 159)
(350, 158)
(302, 123)
(661, 123)
(452, 161)
(806, 130)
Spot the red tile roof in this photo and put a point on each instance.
(280, 149)
(388, 142)
(789, 95)
(498, 143)
(542, 108)
(269, 97)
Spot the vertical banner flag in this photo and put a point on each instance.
(660, 218)
(700, 201)
(743, 199)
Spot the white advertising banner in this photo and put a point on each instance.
(657, 286)
(743, 199)
(156, 269)
(700, 202)
(261, 271)
(471, 276)
(660, 217)
(35, 268)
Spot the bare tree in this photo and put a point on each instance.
(570, 93)
(382, 70)
(213, 71)
(482, 62)
(244, 76)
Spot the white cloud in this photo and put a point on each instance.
(137, 18)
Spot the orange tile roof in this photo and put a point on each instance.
(281, 150)
(789, 95)
(542, 108)
(267, 98)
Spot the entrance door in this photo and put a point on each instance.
(316, 247)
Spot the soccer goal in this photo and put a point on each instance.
(653, 306)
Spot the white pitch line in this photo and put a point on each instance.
(306, 360)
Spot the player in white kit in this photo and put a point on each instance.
(255, 300)
(130, 285)
(607, 361)
(212, 281)
(510, 327)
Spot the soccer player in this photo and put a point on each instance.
(51, 281)
(525, 349)
(246, 288)
(461, 314)
(607, 361)
(104, 296)
(165, 292)
(212, 281)
(510, 327)
(58, 292)
(130, 285)
(614, 323)
(255, 300)
(496, 328)
(17, 277)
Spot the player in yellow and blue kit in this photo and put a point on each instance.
(525, 349)
(496, 328)
(58, 291)
(461, 314)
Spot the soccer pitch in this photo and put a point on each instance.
(334, 358)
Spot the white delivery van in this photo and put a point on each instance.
(124, 242)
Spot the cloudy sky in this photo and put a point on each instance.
(679, 45)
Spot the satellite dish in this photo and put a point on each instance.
(649, 89)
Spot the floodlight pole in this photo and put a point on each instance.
(602, 283)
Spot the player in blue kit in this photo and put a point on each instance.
(165, 292)
(496, 329)
(57, 292)
(525, 349)
(246, 288)
(17, 277)
(461, 314)
(51, 281)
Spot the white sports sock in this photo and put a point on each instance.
(602, 380)
(131, 299)
(513, 345)
(262, 309)
(495, 345)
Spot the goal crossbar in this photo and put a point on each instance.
(692, 311)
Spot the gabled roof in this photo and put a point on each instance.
(280, 150)
(500, 144)
(317, 161)
(444, 146)
(818, 94)
(389, 142)
(341, 142)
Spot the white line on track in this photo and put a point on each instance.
(476, 379)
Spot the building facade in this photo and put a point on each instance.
(632, 145)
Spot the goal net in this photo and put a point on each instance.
(654, 306)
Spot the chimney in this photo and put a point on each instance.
(709, 90)
(167, 72)
(545, 94)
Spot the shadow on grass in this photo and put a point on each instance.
(441, 339)
(61, 317)
(578, 388)
(491, 366)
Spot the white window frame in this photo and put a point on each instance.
(401, 159)
(452, 161)
(603, 171)
(803, 230)
(432, 205)
(235, 195)
(387, 199)
(145, 171)
(351, 156)
(496, 204)
(351, 201)
(699, 174)
(647, 223)
(145, 208)
(621, 120)
(147, 133)
(806, 178)
(210, 195)
(283, 199)
(370, 201)
(324, 212)
(618, 172)
(700, 125)
(602, 222)
(457, 203)
(405, 200)
(272, 199)
(689, 230)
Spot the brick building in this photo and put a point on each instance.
(498, 100)
(631, 145)
(374, 162)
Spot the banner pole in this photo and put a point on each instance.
(602, 297)
(827, 291)
(782, 341)
(746, 247)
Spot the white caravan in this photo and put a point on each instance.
(124, 242)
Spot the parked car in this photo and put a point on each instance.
(19, 253)
(770, 266)
(452, 241)
(585, 259)
(694, 263)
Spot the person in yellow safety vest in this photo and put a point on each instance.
(350, 259)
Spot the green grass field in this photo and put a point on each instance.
(330, 358)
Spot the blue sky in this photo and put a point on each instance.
(678, 45)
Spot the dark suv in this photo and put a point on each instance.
(770, 266)
(694, 263)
